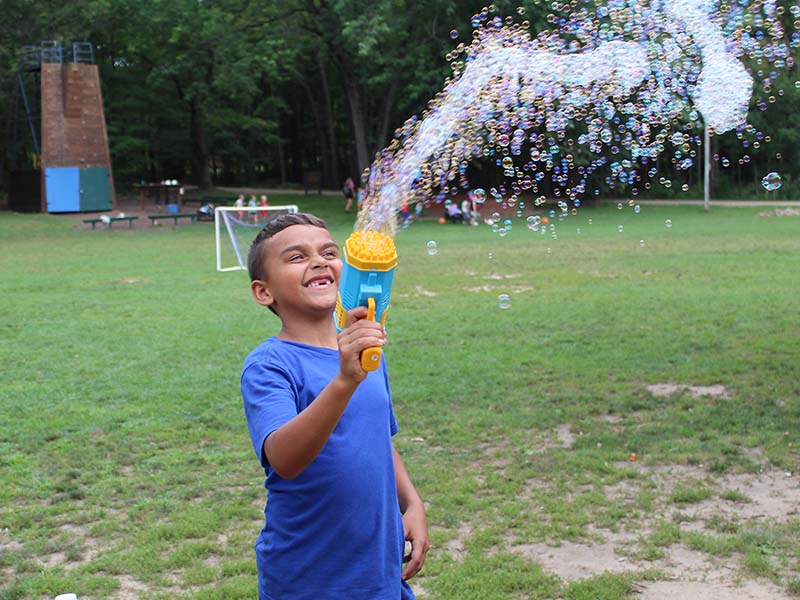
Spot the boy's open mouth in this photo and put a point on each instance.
(321, 281)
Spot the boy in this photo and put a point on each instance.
(340, 502)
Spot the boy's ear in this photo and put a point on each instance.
(261, 292)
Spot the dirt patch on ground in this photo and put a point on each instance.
(698, 590)
(130, 207)
(565, 436)
(767, 498)
(781, 212)
(423, 292)
(455, 546)
(514, 289)
(130, 588)
(664, 390)
(572, 561)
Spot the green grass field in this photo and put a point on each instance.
(126, 469)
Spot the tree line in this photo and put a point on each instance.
(251, 91)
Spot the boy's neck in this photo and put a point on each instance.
(321, 332)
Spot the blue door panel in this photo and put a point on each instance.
(63, 189)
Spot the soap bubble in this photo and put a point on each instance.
(479, 195)
(589, 104)
(504, 301)
(771, 182)
(668, 223)
(433, 248)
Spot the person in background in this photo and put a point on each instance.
(349, 191)
(239, 203)
(404, 213)
(453, 213)
(253, 203)
(466, 212)
(263, 202)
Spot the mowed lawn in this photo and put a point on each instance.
(126, 469)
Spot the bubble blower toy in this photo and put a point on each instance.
(368, 269)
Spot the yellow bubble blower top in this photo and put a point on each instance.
(369, 261)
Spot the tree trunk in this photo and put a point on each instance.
(332, 179)
(357, 120)
(320, 129)
(388, 108)
(201, 175)
(281, 156)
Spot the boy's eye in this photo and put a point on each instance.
(295, 257)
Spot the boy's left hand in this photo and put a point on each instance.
(415, 525)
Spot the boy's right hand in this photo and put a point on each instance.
(358, 334)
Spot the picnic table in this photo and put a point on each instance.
(215, 200)
(163, 193)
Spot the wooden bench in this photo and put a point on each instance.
(174, 217)
(110, 221)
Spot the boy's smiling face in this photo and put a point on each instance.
(303, 268)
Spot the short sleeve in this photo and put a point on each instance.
(269, 402)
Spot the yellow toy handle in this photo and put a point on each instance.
(371, 357)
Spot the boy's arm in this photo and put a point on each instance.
(291, 448)
(415, 521)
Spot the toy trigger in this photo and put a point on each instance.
(371, 357)
(383, 316)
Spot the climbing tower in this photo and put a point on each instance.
(74, 162)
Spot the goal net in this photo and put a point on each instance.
(236, 227)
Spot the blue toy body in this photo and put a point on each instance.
(367, 273)
(356, 287)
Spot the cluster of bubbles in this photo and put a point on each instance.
(601, 96)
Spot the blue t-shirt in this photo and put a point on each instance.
(334, 531)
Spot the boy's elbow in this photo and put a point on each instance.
(285, 468)
(285, 472)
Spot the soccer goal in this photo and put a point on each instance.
(241, 224)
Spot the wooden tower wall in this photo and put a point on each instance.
(74, 137)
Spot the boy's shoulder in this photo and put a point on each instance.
(278, 352)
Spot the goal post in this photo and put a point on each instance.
(235, 227)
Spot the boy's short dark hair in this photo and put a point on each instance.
(255, 258)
